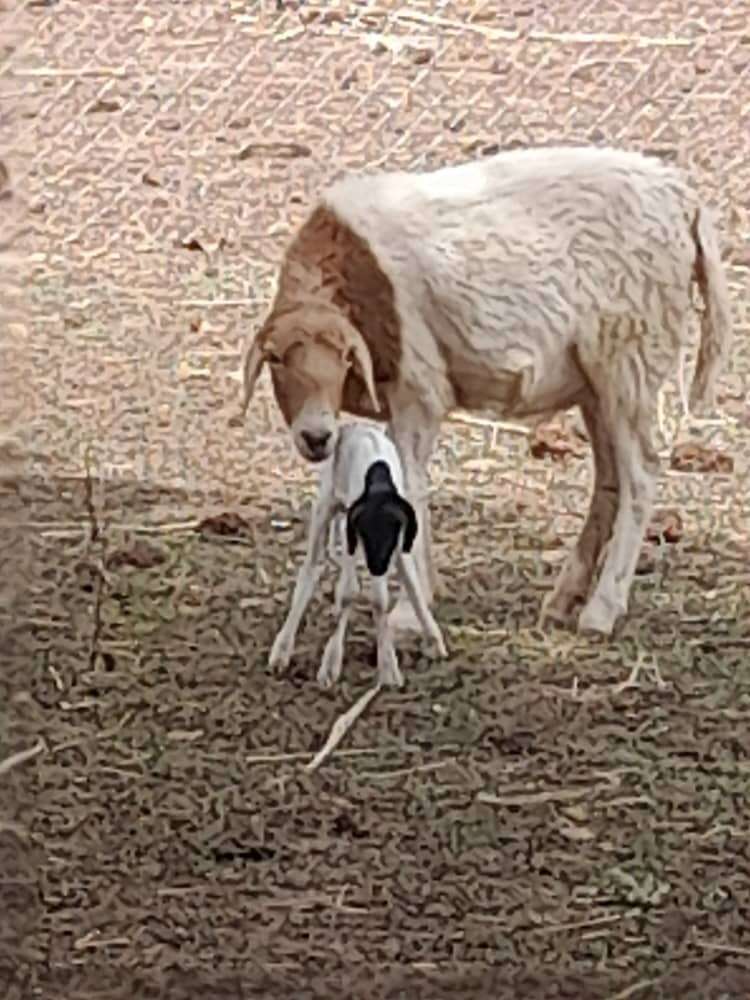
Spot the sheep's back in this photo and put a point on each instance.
(525, 243)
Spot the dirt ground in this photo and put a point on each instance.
(542, 815)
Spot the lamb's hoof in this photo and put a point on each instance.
(389, 674)
(599, 616)
(281, 652)
(403, 618)
(439, 650)
(330, 667)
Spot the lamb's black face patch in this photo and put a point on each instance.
(378, 518)
(378, 529)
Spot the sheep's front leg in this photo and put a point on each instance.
(347, 588)
(283, 647)
(410, 580)
(389, 674)
(416, 443)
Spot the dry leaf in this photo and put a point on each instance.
(691, 457)
(421, 55)
(104, 104)
(666, 526)
(227, 523)
(276, 150)
(242, 122)
(141, 555)
(191, 244)
(556, 440)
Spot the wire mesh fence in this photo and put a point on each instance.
(155, 156)
(166, 151)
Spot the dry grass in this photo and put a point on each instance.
(541, 815)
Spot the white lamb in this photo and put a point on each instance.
(525, 284)
(360, 499)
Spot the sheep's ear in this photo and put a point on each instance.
(410, 523)
(360, 357)
(251, 369)
(352, 516)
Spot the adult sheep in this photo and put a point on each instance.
(524, 284)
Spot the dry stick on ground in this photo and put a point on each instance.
(21, 757)
(534, 798)
(630, 681)
(631, 991)
(101, 577)
(563, 38)
(728, 949)
(281, 758)
(341, 726)
(495, 425)
(52, 71)
(600, 692)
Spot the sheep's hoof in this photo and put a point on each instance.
(559, 610)
(599, 616)
(568, 594)
(281, 652)
(439, 650)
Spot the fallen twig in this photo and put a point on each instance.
(494, 425)
(341, 726)
(599, 692)
(631, 990)
(282, 758)
(103, 735)
(403, 771)
(21, 756)
(534, 798)
(206, 303)
(728, 949)
(54, 71)
(563, 38)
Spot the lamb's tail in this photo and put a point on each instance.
(716, 320)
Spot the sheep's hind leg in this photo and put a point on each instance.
(333, 655)
(389, 674)
(576, 576)
(629, 423)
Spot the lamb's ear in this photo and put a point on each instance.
(352, 516)
(362, 361)
(251, 369)
(410, 523)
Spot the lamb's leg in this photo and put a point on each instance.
(415, 439)
(304, 587)
(411, 584)
(574, 581)
(347, 588)
(389, 674)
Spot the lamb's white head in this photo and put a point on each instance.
(311, 350)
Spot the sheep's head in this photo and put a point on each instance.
(311, 350)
